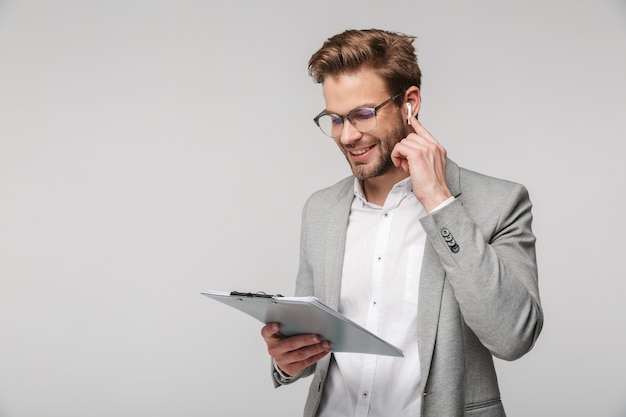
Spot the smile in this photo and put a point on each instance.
(360, 151)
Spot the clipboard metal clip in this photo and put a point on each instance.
(259, 294)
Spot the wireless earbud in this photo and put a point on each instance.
(408, 119)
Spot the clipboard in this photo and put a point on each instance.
(304, 315)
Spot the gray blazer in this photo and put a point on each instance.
(478, 290)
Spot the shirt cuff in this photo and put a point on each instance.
(283, 376)
(447, 202)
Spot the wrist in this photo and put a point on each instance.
(436, 201)
(445, 203)
(282, 374)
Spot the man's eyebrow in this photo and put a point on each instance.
(366, 105)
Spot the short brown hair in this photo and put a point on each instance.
(390, 54)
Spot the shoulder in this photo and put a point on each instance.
(329, 203)
(487, 198)
(477, 180)
(330, 196)
(477, 184)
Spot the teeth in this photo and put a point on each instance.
(360, 151)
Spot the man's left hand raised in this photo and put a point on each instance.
(424, 159)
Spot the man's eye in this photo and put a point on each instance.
(335, 120)
(362, 114)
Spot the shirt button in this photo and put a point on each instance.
(374, 303)
(364, 394)
(380, 258)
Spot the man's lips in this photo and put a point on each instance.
(360, 152)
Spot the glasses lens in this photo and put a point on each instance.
(331, 125)
(363, 119)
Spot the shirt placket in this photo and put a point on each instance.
(374, 313)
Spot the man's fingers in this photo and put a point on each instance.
(303, 353)
(418, 145)
(421, 130)
(270, 330)
(297, 348)
(294, 368)
(397, 157)
(407, 146)
(295, 353)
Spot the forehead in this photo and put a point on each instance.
(345, 91)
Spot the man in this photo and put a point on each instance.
(434, 258)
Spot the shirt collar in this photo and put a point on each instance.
(398, 192)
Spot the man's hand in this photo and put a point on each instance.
(424, 159)
(293, 354)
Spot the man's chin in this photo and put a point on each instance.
(364, 172)
(360, 171)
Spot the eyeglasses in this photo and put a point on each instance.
(362, 118)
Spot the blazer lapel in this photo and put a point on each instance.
(336, 230)
(428, 306)
(453, 177)
(432, 279)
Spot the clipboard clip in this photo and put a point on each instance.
(259, 294)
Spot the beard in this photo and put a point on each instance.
(383, 163)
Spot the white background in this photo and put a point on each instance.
(151, 150)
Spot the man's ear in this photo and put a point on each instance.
(412, 97)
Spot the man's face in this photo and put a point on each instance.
(369, 154)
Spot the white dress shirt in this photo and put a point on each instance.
(379, 288)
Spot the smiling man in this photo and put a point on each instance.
(436, 259)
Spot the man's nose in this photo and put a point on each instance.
(349, 133)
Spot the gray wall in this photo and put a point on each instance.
(151, 150)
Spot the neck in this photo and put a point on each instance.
(377, 188)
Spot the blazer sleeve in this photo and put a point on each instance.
(487, 248)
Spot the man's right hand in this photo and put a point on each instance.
(293, 354)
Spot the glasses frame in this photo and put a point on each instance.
(348, 116)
